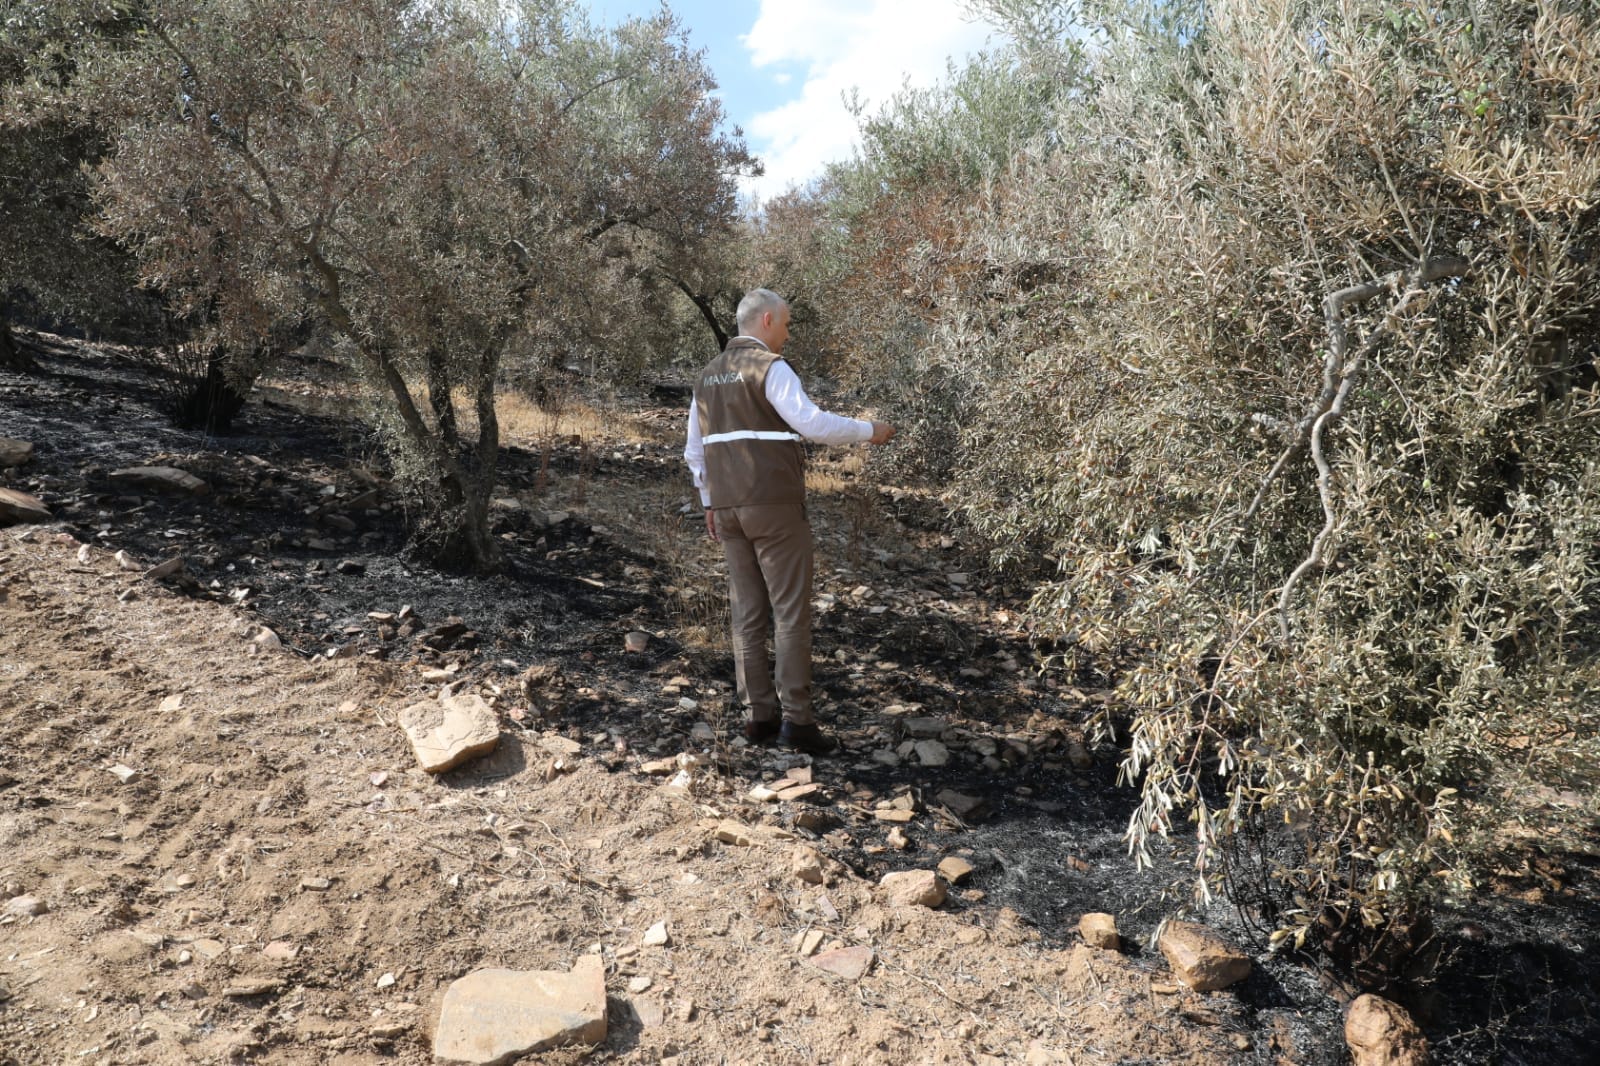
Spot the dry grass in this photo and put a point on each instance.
(689, 564)
(835, 472)
(524, 422)
(324, 388)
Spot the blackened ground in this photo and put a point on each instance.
(303, 531)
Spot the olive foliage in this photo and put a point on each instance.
(55, 267)
(891, 259)
(435, 185)
(1282, 340)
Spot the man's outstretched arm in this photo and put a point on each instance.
(788, 397)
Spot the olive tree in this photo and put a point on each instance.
(429, 181)
(1279, 340)
(1309, 422)
(895, 258)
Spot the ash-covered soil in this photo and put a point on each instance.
(273, 803)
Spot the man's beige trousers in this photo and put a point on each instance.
(768, 548)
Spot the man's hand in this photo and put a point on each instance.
(882, 433)
(711, 525)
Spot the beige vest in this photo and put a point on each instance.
(752, 456)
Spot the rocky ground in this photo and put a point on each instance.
(217, 845)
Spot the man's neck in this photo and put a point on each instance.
(758, 340)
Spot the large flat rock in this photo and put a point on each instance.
(851, 963)
(161, 479)
(17, 507)
(446, 733)
(495, 1016)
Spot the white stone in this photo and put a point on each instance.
(26, 907)
(915, 888)
(496, 1016)
(447, 733)
(730, 832)
(932, 753)
(657, 936)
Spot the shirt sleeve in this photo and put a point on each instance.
(788, 397)
(694, 453)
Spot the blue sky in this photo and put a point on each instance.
(785, 65)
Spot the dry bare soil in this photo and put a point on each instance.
(238, 861)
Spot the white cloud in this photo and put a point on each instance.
(874, 47)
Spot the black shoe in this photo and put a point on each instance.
(808, 738)
(761, 731)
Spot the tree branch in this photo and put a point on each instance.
(1335, 368)
(1339, 377)
(702, 304)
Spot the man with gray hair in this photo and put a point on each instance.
(749, 415)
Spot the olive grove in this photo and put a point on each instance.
(431, 185)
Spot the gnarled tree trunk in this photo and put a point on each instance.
(453, 532)
(211, 403)
(12, 357)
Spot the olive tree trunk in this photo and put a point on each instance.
(12, 356)
(211, 402)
